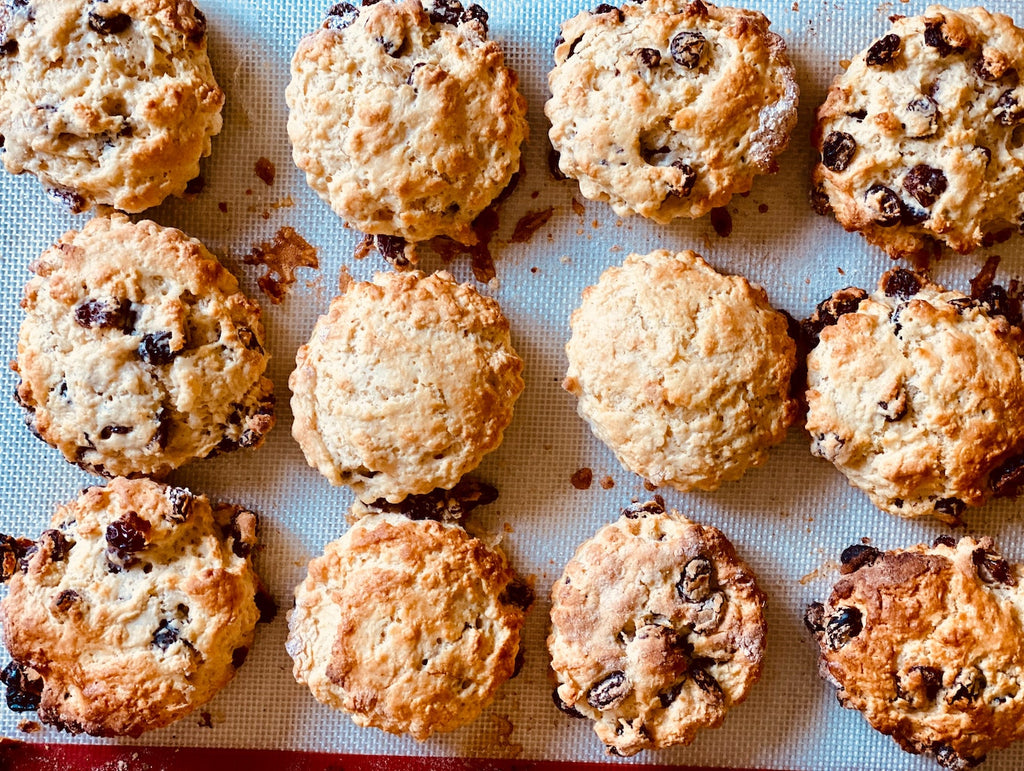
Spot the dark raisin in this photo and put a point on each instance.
(837, 150)
(55, 544)
(71, 200)
(114, 24)
(935, 38)
(883, 50)
(949, 758)
(992, 569)
(704, 679)
(951, 506)
(1008, 477)
(913, 214)
(687, 49)
(829, 311)
(475, 13)
(944, 540)
(340, 16)
(103, 314)
(12, 552)
(126, 536)
(695, 583)
(637, 510)
(820, 203)
(392, 249)
(925, 183)
(686, 182)
(446, 12)
(572, 46)
(411, 77)
(155, 348)
(885, 205)
(926, 108)
(1007, 110)
(391, 47)
(843, 627)
(858, 115)
(967, 687)
(443, 505)
(163, 428)
(108, 431)
(63, 601)
(266, 605)
(858, 556)
(518, 593)
(927, 680)
(198, 32)
(999, 302)
(667, 697)
(24, 687)
(814, 618)
(648, 57)
(181, 501)
(606, 8)
(9, 48)
(609, 691)
(894, 408)
(570, 711)
(901, 283)
(165, 635)
(238, 656)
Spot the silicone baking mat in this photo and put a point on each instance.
(789, 518)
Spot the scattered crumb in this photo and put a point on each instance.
(265, 170)
(615, 248)
(841, 271)
(535, 269)
(265, 214)
(579, 231)
(363, 248)
(844, 63)
(998, 237)
(582, 478)
(762, 208)
(507, 527)
(577, 207)
(29, 726)
(205, 720)
(248, 191)
(565, 259)
(649, 486)
(344, 279)
(607, 483)
(223, 206)
(503, 728)
(795, 7)
(595, 224)
(529, 224)
(282, 256)
(822, 571)
(283, 203)
(535, 193)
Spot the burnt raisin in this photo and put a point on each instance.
(518, 593)
(992, 569)
(606, 8)
(843, 627)
(155, 348)
(181, 501)
(609, 691)
(443, 505)
(925, 183)
(249, 340)
(694, 585)
(103, 314)
(9, 48)
(901, 283)
(952, 506)
(829, 311)
(24, 687)
(944, 540)
(814, 618)
(446, 12)
(392, 249)
(935, 38)
(885, 205)
(570, 711)
(63, 601)
(686, 182)
(858, 115)
(998, 302)
(340, 16)
(114, 24)
(476, 13)
(858, 556)
(238, 656)
(165, 635)
(1008, 477)
(1007, 110)
(266, 605)
(12, 552)
(967, 687)
(819, 200)
(637, 510)
(837, 150)
(687, 49)
(648, 57)
(883, 50)
(198, 32)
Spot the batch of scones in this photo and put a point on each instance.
(138, 353)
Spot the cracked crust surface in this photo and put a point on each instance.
(682, 371)
(405, 117)
(920, 136)
(405, 384)
(408, 626)
(138, 352)
(926, 642)
(668, 108)
(916, 394)
(657, 629)
(135, 608)
(109, 103)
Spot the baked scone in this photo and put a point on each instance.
(109, 102)
(926, 642)
(657, 629)
(139, 353)
(919, 137)
(682, 371)
(668, 108)
(405, 117)
(916, 394)
(405, 384)
(134, 608)
(407, 625)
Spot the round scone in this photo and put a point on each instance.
(134, 608)
(657, 629)
(405, 117)
(109, 102)
(139, 353)
(407, 625)
(682, 371)
(916, 394)
(668, 108)
(926, 642)
(920, 136)
(405, 384)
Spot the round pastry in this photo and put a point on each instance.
(109, 102)
(657, 629)
(919, 137)
(916, 394)
(926, 643)
(409, 626)
(405, 117)
(668, 108)
(682, 371)
(139, 353)
(405, 384)
(134, 608)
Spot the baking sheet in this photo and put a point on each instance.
(789, 519)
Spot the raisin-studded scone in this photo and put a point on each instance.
(405, 384)
(682, 371)
(657, 629)
(407, 625)
(916, 394)
(132, 610)
(668, 108)
(107, 102)
(919, 137)
(405, 117)
(926, 643)
(139, 353)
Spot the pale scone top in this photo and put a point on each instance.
(109, 103)
(667, 108)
